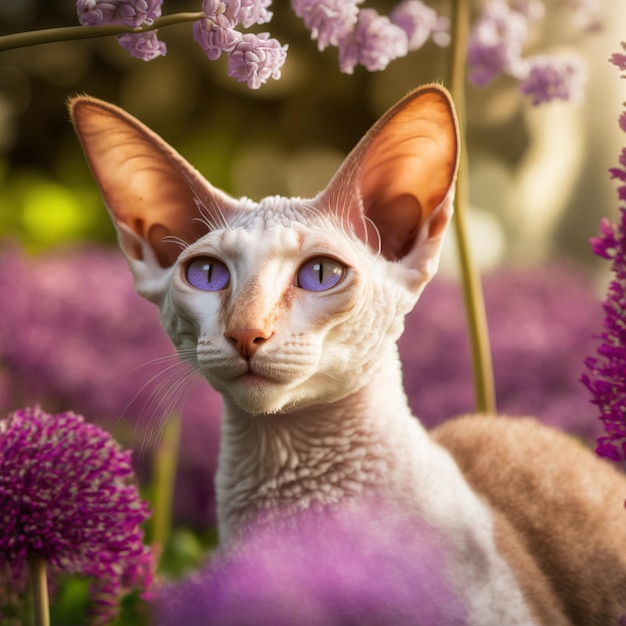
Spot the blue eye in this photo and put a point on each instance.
(207, 274)
(320, 274)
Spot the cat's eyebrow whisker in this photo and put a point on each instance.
(181, 243)
(379, 246)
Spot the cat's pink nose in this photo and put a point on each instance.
(247, 340)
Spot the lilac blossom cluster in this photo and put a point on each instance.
(252, 58)
(133, 13)
(606, 372)
(67, 495)
(496, 45)
(368, 565)
(364, 37)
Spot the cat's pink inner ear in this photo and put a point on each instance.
(408, 168)
(149, 189)
(400, 172)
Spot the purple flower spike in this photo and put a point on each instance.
(328, 20)
(552, 78)
(67, 495)
(256, 59)
(374, 42)
(215, 37)
(606, 372)
(619, 58)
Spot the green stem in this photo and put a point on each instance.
(67, 33)
(165, 463)
(39, 589)
(482, 367)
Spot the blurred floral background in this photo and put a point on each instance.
(73, 334)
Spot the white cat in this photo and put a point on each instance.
(292, 309)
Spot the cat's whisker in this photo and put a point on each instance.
(174, 378)
(181, 243)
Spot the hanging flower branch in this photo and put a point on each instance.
(361, 35)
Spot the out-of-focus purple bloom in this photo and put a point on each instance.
(67, 495)
(101, 351)
(255, 59)
(551, 78)
(328, 20)
(374, 42)
(606, 372)
(538, 321)
(619, 58)
(496, 42)
(144, 46)
(495, 47)
(369, 567)
(133, 13)
(250, 12)
(420, 22)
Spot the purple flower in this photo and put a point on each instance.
(328, 20)
(550, 78)
(619, 59)
(106, 356)
(374, 42)
(606, 372)
(216, 36)
(67, 495)
(250, 12)
(255, 59)
(419, 22)
(143, 46)
(496, 41)
(132, 13)
(367, 567)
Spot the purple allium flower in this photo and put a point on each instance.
(255, 59)
(368, 567)
(496, 41)
(75, 334)
(419, 22)
(374, 42)
(328, 20)
(67, 495)
(606, 372)
(133, 13)
(551, 77)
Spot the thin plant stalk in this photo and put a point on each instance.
(484, 387)
(68, 33)
(39, 589)
(165, 464)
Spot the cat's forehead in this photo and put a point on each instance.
(275, 211)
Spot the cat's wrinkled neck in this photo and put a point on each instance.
(317, 454)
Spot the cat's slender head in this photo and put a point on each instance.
(286, 302)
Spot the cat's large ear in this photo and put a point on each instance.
(396, 187)
(151, 192)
